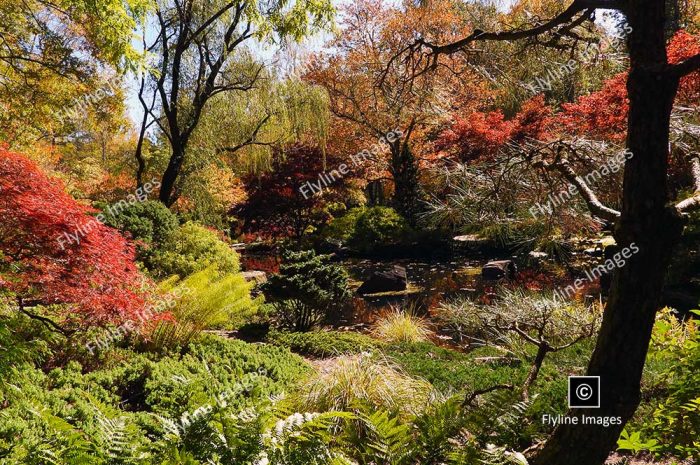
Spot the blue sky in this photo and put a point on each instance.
(312, 44)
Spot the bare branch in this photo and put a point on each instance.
(692, 203)
(594, 204)
(685, 67)
(251, 140)
(480, 392)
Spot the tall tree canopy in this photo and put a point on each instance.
(376, 97)
(50, 54)
(203, 49)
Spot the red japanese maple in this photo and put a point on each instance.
(476, 136)
(683, 46)
(601, 114)
(288, 199)
(533, 121)
(482, 134)
(52, 251)
(604, 113)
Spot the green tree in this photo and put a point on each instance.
(51, 56)
(193, 248)
(307, 290)
(201, 50)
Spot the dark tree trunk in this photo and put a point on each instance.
(138, 153)
(647, 224)
(404, 171)
(542, 352)
(167, 187)
(375, 193)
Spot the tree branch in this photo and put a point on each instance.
(251, 140)
(594, 205)
(49, 323)
(471, 397)
(685, 67)
(692, 203)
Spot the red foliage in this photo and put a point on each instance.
(266, 263)
(601, 114)
(533, 121)
(290, 197)
(52, 251)
(683, 46)
(479, 135)
(482, 134)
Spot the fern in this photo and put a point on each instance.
(493, 455)
(303, 439)
(388, 441)
(438, 429)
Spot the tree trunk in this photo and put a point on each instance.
(167, 187)
(138, 153)
(375, 193)
(542, 352)
(404, 171)
(646, 224)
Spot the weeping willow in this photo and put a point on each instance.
(239, 131)
(242, 128)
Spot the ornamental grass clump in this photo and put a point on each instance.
(364, 383)
(398, 326)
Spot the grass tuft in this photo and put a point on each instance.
(398, 327)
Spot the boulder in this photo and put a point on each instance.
(385, 281)
(258, 276)
(498, 269)
(534, 254)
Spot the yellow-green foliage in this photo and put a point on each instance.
(398, 326)
(192, 248)
(366, 383)
(206, 299)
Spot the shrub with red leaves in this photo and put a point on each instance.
(52, 251)
(281, 202)
(603, 113)
(683, 46)
(477, 136)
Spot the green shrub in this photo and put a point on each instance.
(378, 226)
(135, 410)
(307, 289)
(214, 365)
(150, 221)
(193, 248)
(204, 300)
(323, 343)
(449, 370)
(365, 229)
(22, 340)
(342, 227)
(672, 426)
